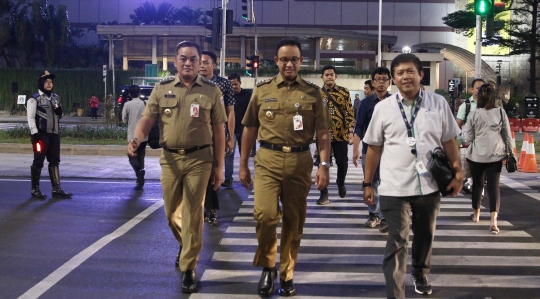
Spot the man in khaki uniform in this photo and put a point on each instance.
(189, 108)
(286, 112)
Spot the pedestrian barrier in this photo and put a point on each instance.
(523, 152)
(529, 125)
(530, 159)
(515, 124)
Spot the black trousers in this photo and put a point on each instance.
(479, 171)
(137, 162)
(341, 149)
(396, 210)
(94, 112)
(50, 149)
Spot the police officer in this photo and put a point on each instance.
(44, 112)
(285, 111)
(190, 111)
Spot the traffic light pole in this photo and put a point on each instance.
(478, 49)
(223, 37)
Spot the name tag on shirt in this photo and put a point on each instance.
(420, 168)
(194, 110)
(298, 123)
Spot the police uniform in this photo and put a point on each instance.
(186, 115)
(44, 112)
(283, 164)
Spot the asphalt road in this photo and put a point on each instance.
(112, 241)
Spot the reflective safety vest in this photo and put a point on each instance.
(46, 119)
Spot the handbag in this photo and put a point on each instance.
(441, 170)
(511, 163)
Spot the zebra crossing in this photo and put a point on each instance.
(340, 258)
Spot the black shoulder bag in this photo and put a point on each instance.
(441, 170)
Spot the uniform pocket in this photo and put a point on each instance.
(168, 109)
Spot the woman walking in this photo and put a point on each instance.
(490, 142)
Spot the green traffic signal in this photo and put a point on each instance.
(483, 7)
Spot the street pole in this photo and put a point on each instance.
(256, 42)
(478, 49)
(379, 56)
(223, 37)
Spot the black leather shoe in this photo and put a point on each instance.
(342, 191)
(287, 288)
(266, 283)
(177, 261)
(189, 282)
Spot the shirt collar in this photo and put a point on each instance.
(471, 99)
(402, 99)
(280, 80)
(178, 82)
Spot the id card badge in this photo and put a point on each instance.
(420, 168)
(298, 123)
(194, 110)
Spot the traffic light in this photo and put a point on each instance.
(253, 65)
(483, 7)
(248, 9)
(215, 27)
(493, 26)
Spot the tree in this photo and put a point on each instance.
(148, 14)
(523, 32)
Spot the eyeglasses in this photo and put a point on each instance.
(285, 60)
(381, 80)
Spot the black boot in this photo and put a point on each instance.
(266, 283)
(54, 173)
(189, 282)
(35, 175)
(287, 288)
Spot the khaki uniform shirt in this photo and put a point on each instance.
(274, 104)
(173, 102)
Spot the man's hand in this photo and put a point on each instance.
(132, 147)
(456, 184)
(351, 135)
(245, 176)
(216, 178)
(229, 147)
(322, 178)
(355, 157)
(369, 196)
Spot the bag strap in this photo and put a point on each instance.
(504, 133)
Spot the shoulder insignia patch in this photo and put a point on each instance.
(311, 83)
(208, 81)
(35, 95)
(166, 81)
(264, 82)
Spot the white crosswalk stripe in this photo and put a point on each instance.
(334, 234)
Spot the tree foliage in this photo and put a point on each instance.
(522, 37)
(166, 14)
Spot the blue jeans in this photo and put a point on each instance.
(229, 160)
(376, 207)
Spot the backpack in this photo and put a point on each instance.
(153, 136)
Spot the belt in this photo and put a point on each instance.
(186, 151)
(285, 149)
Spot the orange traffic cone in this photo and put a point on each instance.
(523, 153)
(530, 159)
(514, 143)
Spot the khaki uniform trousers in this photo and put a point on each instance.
(183, 180)
(285, 177)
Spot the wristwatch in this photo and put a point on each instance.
(364, 184)
(325, 164)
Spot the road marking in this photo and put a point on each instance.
(356, 212)
(372, 279)
(519, 187)
(377, 259)
(90, 181)
(41, 287)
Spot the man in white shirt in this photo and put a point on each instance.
(404, 129)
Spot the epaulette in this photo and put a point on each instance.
(311, 84)
(264, 82)
(166, 81)
(208, 81)
(35, 95)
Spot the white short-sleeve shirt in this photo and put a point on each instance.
(433, 125)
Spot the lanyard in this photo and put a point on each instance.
(413, 115)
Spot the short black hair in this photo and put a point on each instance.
(328, 67)
(188, 44)
(234, 76)
(406, 57)
(288, 42)
(134, 91)
(380, 71)
(476, 80)
(211, 54)
(368, 82)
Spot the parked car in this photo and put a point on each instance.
(124, 97)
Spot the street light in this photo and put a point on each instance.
(406, 49)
